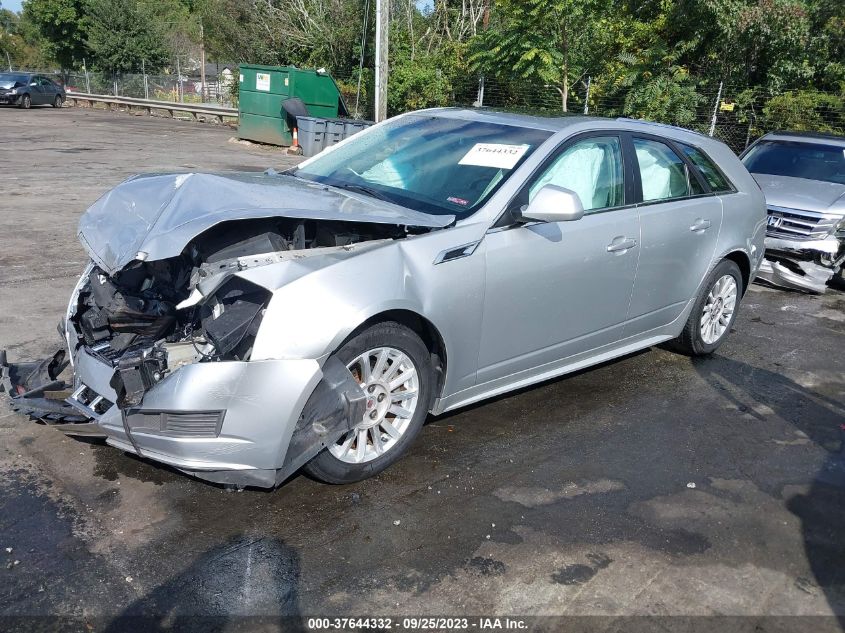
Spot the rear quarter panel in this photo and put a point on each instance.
(744, 212)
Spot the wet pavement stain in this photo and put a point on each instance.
(579, 573)
(485, 566)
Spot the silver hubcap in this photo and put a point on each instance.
(391, 383)
(718, 309)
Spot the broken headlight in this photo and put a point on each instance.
(231, 317)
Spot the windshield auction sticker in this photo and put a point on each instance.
(494, 155)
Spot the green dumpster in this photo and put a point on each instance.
(263, 91)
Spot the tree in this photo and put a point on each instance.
(62, 26)
(123, 38)
(745, 42)
(545, 41)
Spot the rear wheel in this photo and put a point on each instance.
(26, 102)
(58, 101)
(393, 367)
(714, 311)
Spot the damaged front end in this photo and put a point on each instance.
(161, 356)
(804, 249)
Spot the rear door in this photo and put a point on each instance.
(680, 219)
(51, 89)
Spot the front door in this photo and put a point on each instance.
(556, 289)
(40, 94)
(680, 225)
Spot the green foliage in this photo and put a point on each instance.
(652, 59)
(541, 41)
(123, 38)
(806, 110)
(416, 85)
(663, 99)
(62, 27)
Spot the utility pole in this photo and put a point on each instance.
(178, 80)
(587, 96)
(87, 78)
(485, 24)
(382, 17)
(202, 60)
(9, 59)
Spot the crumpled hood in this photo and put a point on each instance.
(158, 214)
(801, 193)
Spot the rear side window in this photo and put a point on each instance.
(718, 183)
(663, 173)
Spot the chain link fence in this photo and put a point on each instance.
(736, 115)
(185, 88)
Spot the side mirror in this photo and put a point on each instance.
(34, 83)
(553, 204)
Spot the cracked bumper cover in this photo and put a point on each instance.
(275, 414)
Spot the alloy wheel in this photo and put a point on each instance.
(718, 309)
(391, 383)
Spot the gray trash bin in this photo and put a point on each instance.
(353, 126)
(312, 134)
(335, 129)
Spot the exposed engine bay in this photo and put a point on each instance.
(150, 318)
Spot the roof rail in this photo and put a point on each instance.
(626, 119)
(835, 137)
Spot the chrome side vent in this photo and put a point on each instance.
(450, 254)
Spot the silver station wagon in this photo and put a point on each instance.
(242, 326)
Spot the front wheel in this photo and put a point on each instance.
(714, 312)
(26, 102)
(393, 367)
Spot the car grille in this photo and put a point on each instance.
(795, 224)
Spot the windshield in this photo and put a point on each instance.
(7, 80)
(814, 161)
(427, 163)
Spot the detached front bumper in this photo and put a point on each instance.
(806, 265)
(10, 99)
(242, 423)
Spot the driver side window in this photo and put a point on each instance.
(592, 168)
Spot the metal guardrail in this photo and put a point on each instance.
(150, 104)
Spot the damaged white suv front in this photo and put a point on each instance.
(803, 179)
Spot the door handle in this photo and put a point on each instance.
(621, 244)
(700, 225)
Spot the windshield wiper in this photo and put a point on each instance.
(369, 191)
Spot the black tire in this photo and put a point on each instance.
(690, 341)
(58, 101)
(26, 102)
(329, 469)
